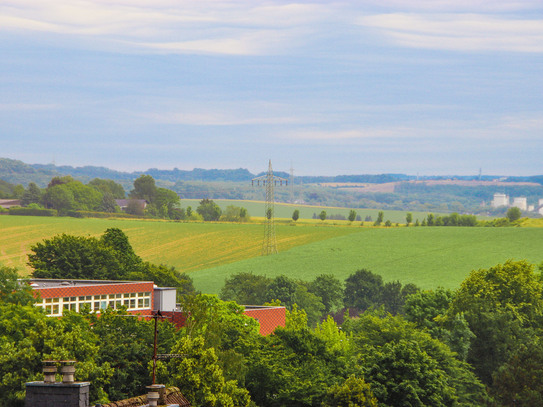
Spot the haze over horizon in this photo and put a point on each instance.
(411, 87)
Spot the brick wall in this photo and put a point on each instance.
(40, 394)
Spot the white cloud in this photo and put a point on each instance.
(462, 32)
(235, 27)
(27, 106)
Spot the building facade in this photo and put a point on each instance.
(138, 297)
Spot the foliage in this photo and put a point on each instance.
(519, 382)
(209, 210)
(32, 212)
(362, 290)
(246, 288)
(126, 345)
(322, 215)
(352, 215)
(107, 186)
(12, 290)
(28, 337)
(293, 367)
(283, 289)
(144, 188)
(295, 215)
(406, 366)
(235, 214)
(200, 377)
(330, 291)
(502, 306)
(109, 258)
(513, 214)
(32, 194)
(352, 392)
(74, 257)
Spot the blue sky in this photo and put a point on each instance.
(429, 87)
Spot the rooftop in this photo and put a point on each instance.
(38, 283)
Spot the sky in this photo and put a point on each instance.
(429, 87)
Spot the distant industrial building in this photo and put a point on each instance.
(500, 200)
(520, 202)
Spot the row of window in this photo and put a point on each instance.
(131, 301)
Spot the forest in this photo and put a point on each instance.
(361, 341)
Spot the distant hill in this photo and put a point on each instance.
(18, 172)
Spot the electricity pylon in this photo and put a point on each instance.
(269, 246)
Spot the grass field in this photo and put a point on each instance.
(187, 246)
(257, 208)
(428, 257)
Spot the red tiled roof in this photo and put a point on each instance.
(269, 318)
(172, 394)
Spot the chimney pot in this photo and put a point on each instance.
(49, 371)
(153, 394)
(67, 369)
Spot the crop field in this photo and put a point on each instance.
(257, 209)
(210, 252)
(427, 257)
(187, 246)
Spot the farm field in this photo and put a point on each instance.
(427, 257)
(210, 252)
(187, 246)
(256, 209)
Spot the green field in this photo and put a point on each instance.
(428, 257)
(257, 209)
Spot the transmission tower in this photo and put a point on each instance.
(269, 246)
(291, 184)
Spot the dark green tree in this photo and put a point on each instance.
(352, 215)
(74, 257)
(246, 288)
(519, 382)
(283, 289)
(363, 290)
(322, 215)
(59, 197)
(144, 188)
(408, 218)
(108, 204)
(32, 194)
(295, 215)
(209, 210)
(107, 186)
(513, 214)
(503, 307)
(329, 289)
(380, 217)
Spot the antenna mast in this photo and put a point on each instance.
(269, 246)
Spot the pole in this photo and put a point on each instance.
(154, 350)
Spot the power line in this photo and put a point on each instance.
(269, 245)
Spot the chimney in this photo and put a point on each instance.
(51, 393)
(155, 394)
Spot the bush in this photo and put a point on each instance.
(32, 212)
